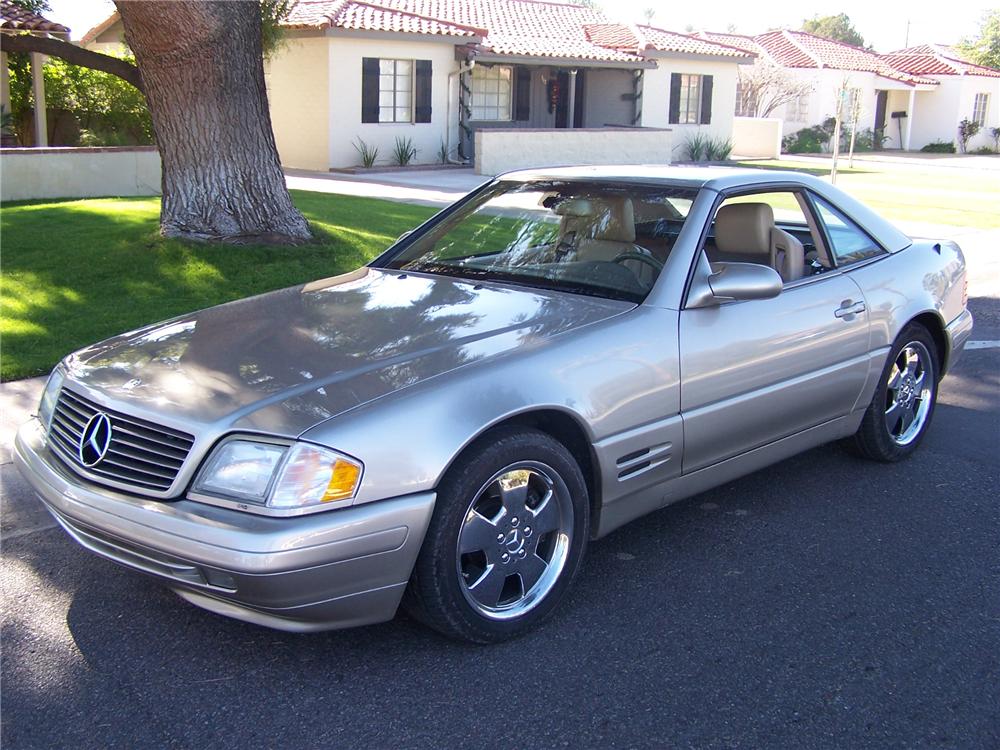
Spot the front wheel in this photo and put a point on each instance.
(901, 409)
(509, 530)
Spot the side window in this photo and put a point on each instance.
(848, 242)
(768, 228)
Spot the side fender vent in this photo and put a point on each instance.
(639, 462)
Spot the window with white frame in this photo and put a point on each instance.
(744, 107)
(491, 92)
(980, 109)
(797, 110)
(690, 109)
(395, 90)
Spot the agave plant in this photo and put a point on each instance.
(403, 151)
(367, 153)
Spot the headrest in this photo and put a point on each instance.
(607, 219)
(744, 229)
(574, 207)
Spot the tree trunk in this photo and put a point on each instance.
(203, 76)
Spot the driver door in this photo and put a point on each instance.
(757, 371)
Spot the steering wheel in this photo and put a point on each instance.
(649, 260)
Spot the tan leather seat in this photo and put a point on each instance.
(603, 229)
(747, 231)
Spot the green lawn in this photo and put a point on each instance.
(929, 195)
(75, 272)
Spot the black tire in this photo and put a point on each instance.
(875, 439)
(439, 592)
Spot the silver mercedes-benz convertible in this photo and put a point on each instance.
(556, 354)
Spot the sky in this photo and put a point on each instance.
(882, 24)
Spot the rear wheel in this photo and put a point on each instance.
(508, 534)
(903, 404)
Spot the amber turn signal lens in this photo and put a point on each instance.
(343, 480)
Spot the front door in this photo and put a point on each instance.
(757, 371)
(881, 103)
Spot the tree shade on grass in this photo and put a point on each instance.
(76, 272)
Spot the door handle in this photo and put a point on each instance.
(847, 308)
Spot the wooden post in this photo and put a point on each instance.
(38, 92)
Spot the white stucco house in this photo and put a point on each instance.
(439, 72)
(826, 65)
(912, 97)
(964, 91)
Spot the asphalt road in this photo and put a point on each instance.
(825, 602)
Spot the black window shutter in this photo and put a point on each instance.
(522, 94)
(675, 98)
(706, 100)
(369, 89)
(422, 89)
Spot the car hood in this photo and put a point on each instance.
(284, 361)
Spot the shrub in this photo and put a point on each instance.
(718, 149)
(367, 153)
(403, 151)
(966, 130)
(865, 140)
(939, 147)
(696, 147)
(111, 110)
(703, 147)
(443, 153)
(995, 134)
(811, 140)
(984, 151)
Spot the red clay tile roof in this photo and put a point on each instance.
(740, 41)
(15, 18)
(528, 28)
(936, 60)
(670, 41)
(612, 35)
(360, 15)
(800, 49)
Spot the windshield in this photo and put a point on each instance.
(602, 239)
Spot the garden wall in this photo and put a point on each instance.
(30, 173)
(501, 150)
(757, 137)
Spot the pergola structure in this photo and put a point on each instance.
(16, 20)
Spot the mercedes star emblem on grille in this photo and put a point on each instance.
(95, 440)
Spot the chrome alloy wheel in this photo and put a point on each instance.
(514, 540)
(908, 393)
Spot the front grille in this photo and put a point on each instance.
(141, 454)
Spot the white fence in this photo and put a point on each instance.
(29, 173)
(501, 150)
(757, 137)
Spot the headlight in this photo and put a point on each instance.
(50, 395)
(286, 477)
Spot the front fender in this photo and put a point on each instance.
(609, 377)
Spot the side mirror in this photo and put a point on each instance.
(734, 281)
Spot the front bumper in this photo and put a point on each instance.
(321, 571)
(958, 331)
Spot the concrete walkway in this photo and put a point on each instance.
(427, 187)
